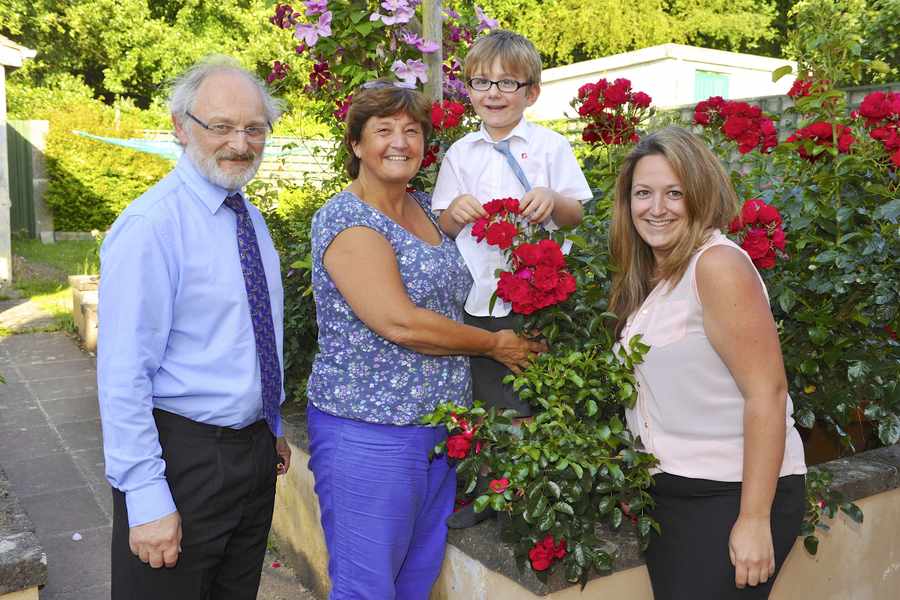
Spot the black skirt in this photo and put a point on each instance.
(488, 374)
(690, 560)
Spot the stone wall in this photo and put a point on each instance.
(861, 562)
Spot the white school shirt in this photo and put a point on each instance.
(690, 411)
(472, 166)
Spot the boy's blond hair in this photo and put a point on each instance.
(516, 54)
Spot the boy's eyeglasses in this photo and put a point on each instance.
(254, 134)
(381, 83)
(507, 86)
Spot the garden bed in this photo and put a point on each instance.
(854, 560)
(23, 564)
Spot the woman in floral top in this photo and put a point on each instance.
(389, 290)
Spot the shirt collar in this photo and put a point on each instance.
(209, 193)
(522, 130)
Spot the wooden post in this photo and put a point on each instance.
(432, 32)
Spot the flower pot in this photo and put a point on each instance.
(821, 444)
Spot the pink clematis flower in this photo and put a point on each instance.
(410, 71)
(311, 32)
(401, 9)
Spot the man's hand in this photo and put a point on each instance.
(157, 542)
(284, 451)
(538, 204)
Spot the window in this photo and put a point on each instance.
(709, 83)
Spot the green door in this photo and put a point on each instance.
(21, 183)
(709, 83)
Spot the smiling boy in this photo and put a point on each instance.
(506, 157)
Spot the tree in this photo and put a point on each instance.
(570, 30)
(130, 48)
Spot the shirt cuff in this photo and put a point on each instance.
(279, 430)
(149, 503)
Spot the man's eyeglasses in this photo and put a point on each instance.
(254, 134)
(507, 86)
(383, 83)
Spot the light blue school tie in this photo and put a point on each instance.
(503, 148)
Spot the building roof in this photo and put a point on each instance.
(663, 52)
(12, 54)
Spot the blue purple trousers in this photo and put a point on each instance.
(384, 505)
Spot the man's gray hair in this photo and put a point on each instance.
(183, 91)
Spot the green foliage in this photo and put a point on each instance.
(847, 42)
(90, 182)
(567, 30)
(130, 48)
(288, 211)
(823, 502)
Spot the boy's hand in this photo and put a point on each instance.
(465, 209)
(538, 204)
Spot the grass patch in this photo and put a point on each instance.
(73, 257)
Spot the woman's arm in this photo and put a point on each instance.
(739, 325)
(363, 266)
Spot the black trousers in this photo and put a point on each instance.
(223, 483)
(690, 560)
(488, 374)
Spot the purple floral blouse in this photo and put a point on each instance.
(358, 374)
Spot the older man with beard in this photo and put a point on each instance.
(190, 356)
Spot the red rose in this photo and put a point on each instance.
(501, 234)
(778, 239)
(768, 214)
(494, 207)
(641, 99)
(458, 445)
(616, 95)
(559, 551)
(756, 243)
(736, 126)
(511, 205)
(845, 140)
(551, 254)
(750, 211)
(479, 228)
(498, 486)
(565, 287)
(701, 117)
(590, 134)
(545, 278)
(766, 261)
(528, 254)
(437, 115)
(735, 225)
(820, 129)
(541, 558)
(586, 90)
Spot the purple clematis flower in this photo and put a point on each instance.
(401, 9)
(410, 71)
(424, 46)
(484, 22)
(311, 32)
(315, 7)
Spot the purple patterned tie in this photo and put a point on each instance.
(260, 312)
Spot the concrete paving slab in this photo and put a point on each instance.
(81, 435)
(78, 566)
(28, 442)
(39, 371)
(15, 395)
(68, 410)
(40, 348)
(43, 475)
(22, 314)
(94, 592)
(21, 416)
(92, 465)
(65, 512)
(103, 497)
(64, 387)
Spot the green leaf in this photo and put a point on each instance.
(554, 489)
(615, 471)
(498, 502)
(644, 525)
(603, 433)
(889, 211)
(852, 511)
(605, 505)
(575, 378)
(481, 502)
(781, 72)
(547, 521)
(805, 417)
(616, 518)
(615, 425)
(565, 508)
(889, 429)
(591, 407)
(811, 543)
(579, 472)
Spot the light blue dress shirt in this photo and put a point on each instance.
(174, 328)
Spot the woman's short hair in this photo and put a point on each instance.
(382, 98)
(516, 53)
(710, 202)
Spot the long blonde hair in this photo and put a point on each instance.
(710, 201)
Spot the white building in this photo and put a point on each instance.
(11, 55)
(672, 74)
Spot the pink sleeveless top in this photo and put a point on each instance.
(689, 411)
